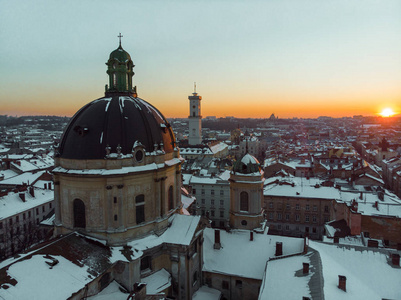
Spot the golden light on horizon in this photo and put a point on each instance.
(387, 112)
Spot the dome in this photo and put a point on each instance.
(248, 164)
(118, 122)
(120, 54)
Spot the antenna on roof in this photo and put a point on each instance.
(194, 87)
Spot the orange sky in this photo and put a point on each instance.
(292, 58)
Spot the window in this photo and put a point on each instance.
(1, 238)
(212, 192)
(244, 223)
(244, 205)
(17, 219)
(238, 284)
(115, 199)
(212, 213)
(195, 278)
(287, 207)
(221, 202)
(29, 214)
(314, 219)
(287, 227)
(115, 217)
(140, 208)
(43, 208)
(37, 210)
(79, 214)
(314, 207)
(146, 263)
(1, 225)
(212, 202)
(170, 198)
(271, 216)
(296, 217)
(221, 213)
(203, 201)
(203, 212)
(307, 207)
(279, 226)
(50, 206)
(194, 191)
(326, 219)
(23, 216)
(203, 191)
(314, 229)
(279, 216)
(326, 209)
(287, 217)
(306, 218)
(224, 285)
(221, 192)
(10, 221)
(297, 206)
(271, 205)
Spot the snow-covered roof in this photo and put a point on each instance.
(157, 282)
(120, 171)
(12, 204)
(112, 291)
(369, 274)
(284, 279)
(241, 257)
(24, 178)
(206, 293)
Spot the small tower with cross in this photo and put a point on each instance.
(120, 71)
(195, 119)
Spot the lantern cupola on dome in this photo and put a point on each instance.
(120, 71)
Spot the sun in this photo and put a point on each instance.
(387, 112)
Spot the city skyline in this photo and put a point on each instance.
(291, 58)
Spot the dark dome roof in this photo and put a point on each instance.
(248, 164)
(112, 121)
(120, 54)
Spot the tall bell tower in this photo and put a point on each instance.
(195, 119)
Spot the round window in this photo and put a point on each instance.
(139, 155)
(244, 222)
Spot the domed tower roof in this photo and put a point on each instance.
(248, 164)
(118, 121)
(120, 55)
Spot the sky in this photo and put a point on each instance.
(293, 58)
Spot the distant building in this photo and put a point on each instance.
(195, 120)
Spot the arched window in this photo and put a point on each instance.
(140, 208)
(170, 198)
(79, 214)
(244, 201)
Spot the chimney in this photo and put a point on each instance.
(306, 244)
(251, 236)
(305, 268)
(395, 258)
(336, 240)
(217, 244)
(22, 196)
(279, 248)
(32, 191)
(361, 196)
(342, 283)
(50, 185)
(45, 186)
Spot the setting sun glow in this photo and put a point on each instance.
(387, 112)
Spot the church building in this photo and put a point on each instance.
(118, 225)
